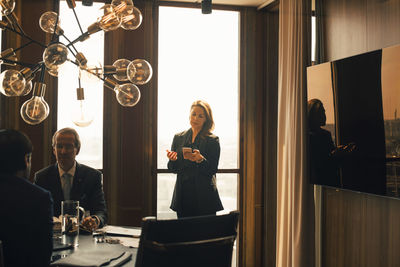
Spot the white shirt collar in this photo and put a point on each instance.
(70, 171)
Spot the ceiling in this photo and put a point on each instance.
(253, 3)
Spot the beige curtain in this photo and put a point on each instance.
(295, 210)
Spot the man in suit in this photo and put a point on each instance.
(69, 180)
(26, 224)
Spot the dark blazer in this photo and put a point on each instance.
(87, 188)
(26, 224)
(202, 175)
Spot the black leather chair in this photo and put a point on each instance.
(194, 241)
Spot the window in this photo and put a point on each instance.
(198, 59)
(93, 48)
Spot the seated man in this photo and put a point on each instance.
(26, 224)
(69, 180)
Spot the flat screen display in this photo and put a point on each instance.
(354, 122)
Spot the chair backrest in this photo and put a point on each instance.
(193, 241)
(1, 255)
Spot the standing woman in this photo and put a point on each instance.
(195, 192)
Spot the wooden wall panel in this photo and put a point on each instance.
(128, 182)
(360, 229)
(28, 13)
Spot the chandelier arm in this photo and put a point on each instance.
(55, 29)
(24, 64)
(82, 37)
(77, 20)
(42, 71)
(14, 21)
(25, 36)
(36, 68)
(69, 42)
(10, 22)
(72, 51)
(22, 46)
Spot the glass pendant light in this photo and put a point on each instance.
(55, 55)
(121, 66)
(139, 71)
(12, 83)
(128, 94)
(110, 20)
(131, 18)
(7, 7)
(48, 21)
(36, 109)
(81, 114)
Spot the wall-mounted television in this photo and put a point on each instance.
(361, 100)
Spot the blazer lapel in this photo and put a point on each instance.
(57, 189)
(77, 183)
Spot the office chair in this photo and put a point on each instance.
(192, 241)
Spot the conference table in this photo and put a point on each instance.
(94, 249)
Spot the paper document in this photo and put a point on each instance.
(120, 231)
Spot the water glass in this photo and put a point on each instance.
(70, 221)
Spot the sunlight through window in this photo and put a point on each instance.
(198, 59)
(91, 152)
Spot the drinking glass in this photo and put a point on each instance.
(70, 221)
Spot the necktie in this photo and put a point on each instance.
(67, 185)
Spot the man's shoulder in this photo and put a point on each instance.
(46, 170)
(42, 176)
(87, 169)
(26, 187)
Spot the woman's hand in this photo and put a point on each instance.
(172, 155)
(196, 156)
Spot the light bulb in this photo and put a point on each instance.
(55, 55)
(139, 71)
(48, 21)
(121, 66)
(131, 18)
(7, 7)
(28, 76)
(81, 115)
(12, 83)
(36, 109)
(91, 74)
(53, 72)
(27, 89)
(127, 94)
(110, 20)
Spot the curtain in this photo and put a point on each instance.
(319, 58)
(319, 36)
(295, 210)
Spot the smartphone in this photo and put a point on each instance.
(186, 151)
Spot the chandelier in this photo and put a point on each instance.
(122, 76)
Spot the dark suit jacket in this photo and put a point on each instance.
(87, 188)
(26, 224)
(201, 175)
